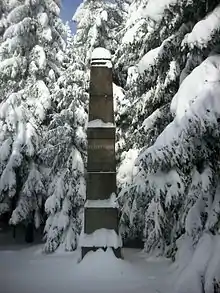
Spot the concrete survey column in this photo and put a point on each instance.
(101, 213)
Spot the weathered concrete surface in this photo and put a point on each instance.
(101, 155)
(97, 218)
(101, 149)
(100, 185)
(99, 108)
(101, 133)
(101, 94)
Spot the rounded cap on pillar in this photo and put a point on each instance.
(101, 53)
(101, 57)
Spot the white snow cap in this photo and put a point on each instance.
(102, 203)
(100, 238)
(99, 123)
(101, 53)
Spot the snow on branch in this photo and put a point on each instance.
(204, 30)
(196, 110)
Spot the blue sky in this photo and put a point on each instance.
(68, 9)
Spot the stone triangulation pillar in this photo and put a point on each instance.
(101, 213)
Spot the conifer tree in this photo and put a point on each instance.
(158, 61)
(64, 153)
(172, 120)
(31, 53)
(98, 25)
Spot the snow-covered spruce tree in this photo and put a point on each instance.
(64, 154)
(179, 174)
(148, 65)
(98, 25)
(153, 64)
(182, 172)
(30, 58)
(4, 204)
(150, 59)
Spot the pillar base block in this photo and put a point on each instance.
(85, 250)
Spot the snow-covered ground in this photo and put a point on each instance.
(28, 270)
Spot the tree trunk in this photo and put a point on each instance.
(29, 233)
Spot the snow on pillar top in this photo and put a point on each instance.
(101, 57)
(101, 53)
